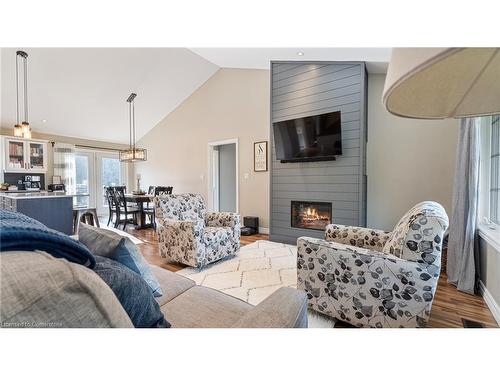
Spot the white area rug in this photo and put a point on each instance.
(255, 273)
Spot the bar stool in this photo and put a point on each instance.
(87, 215)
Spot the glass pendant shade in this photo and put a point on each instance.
(26, 130)
(18, 130)
(133, 155)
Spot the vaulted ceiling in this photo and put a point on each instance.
(82, 92)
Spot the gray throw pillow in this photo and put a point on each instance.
(109, 244)
(99, 241)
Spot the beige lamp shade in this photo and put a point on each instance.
(437, 83)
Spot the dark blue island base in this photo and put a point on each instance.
(55, 210)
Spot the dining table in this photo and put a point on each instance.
(139, 200)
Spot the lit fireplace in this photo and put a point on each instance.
(311, 215)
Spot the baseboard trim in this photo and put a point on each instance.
(263, 230)
(490, 301)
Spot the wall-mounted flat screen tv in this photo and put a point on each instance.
(312, 138)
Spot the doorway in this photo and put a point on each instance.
(94, 171)
(223, 176)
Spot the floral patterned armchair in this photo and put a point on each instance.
(372, 278)
(189, 235)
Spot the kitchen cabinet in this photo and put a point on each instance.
(24, 155)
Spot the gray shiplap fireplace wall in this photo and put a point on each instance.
(300, 89)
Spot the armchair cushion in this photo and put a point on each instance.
(216, 235)
(419, 234)
(356, 236)
(181, 241)
(219, 243)
(225, 220)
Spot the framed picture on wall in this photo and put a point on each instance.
(260, 156)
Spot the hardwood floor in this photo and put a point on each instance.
(449, 308)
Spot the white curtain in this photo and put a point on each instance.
(461, 263)
(64, 165)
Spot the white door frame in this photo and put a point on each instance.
(215, 182)
(212, 204)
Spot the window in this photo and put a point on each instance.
(111, 174)
(495, 170)
(83, 169)
(94, 170)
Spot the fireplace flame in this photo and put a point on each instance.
(312, 214)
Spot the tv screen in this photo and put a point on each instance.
(310, 138)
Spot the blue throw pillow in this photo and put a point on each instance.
(111, 245)
(132, 292)
(127, 254)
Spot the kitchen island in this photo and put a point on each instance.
(54, 209)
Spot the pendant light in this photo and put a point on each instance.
(132, 154)
(438, 83)
(22, 129)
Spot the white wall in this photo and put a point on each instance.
(233, 103)
(408, 160)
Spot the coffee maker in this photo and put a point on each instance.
(56, 187)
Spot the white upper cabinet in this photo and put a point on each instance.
(37, 155)
(23, 155)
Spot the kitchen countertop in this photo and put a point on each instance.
(36, 195)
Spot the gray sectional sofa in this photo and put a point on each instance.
(38, 290)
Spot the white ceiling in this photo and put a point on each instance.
(377, 59)
(82, 92)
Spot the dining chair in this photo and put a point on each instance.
(121, 188)
(155, 191)
(124, 208)
(111, 204)
(149, 211)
